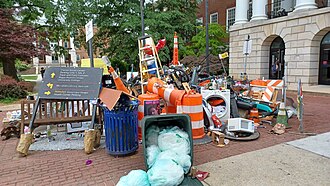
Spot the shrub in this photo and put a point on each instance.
(9, 88)
(27, 86)
(21, 66)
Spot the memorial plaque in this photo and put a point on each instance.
(71, 83)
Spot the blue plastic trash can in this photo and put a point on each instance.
(121, 129)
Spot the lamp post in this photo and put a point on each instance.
(142, 17)
(207, 36)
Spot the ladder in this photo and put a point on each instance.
(148, 55)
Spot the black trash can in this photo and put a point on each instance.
(121, 129)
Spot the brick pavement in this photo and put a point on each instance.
(68, 167)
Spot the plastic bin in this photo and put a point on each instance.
(180, 120)
(121, 129)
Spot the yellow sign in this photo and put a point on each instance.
(50, 85)
(52, 75)
(47, 93)
(223, 55)
(98, 63)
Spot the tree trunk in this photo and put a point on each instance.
(9, 68)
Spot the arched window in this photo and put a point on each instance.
(276, 61)
(324, 67)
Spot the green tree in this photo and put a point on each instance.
(197, 45)
(119, 26)
(16, 42)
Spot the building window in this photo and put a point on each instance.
(250, 12)
(214, 18)
(199, 21)
(66, 44)
(54, 57)
(78, 57)
(230, 17)
(42, 58)
(276, 5)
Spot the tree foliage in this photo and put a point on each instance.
(118, 25)
(198, 43)
(16, 42)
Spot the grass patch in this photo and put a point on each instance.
(8, 100)
(29, 77)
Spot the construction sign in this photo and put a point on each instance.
(71, 83)
(223, 55)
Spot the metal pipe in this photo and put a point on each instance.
(90, 45)
(142, 17)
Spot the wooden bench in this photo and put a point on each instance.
(51, 112)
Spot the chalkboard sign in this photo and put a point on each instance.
(71, 83)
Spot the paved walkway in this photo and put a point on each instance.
(283, 164)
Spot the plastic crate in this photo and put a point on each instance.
(121, 129)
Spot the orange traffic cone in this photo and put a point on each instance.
(175, 50)
(119, 84)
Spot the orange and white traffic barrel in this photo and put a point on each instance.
(170, 95)
(192, 104)
(149, 105)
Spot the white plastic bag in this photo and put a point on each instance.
(183, 160)
(152, 135)
(134, 178)
(165, 172)
(152, 153)
(174, 139)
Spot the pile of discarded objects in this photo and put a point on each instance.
(215, 106)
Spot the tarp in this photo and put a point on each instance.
(98, 63)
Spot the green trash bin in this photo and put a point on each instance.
(180, 120)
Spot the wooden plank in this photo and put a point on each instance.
(51, 112)
(22, 118)
(59, 120)
(72, 108)
(56, 109)
(89, 109)
(78, 109)
(83, 108)
(40, 111)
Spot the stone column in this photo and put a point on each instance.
(241, 10)
(73, 52)
(305, 4)
(259, 10)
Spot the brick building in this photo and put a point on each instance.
(284, 33)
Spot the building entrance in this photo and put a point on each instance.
(324, 68)
(276, 61)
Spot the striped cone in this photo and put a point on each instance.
(192, 104)
(119, 84)
(175, 50)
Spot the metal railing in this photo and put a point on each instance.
(279, 9)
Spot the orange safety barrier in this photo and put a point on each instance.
(192, 104)
(275, 83)
(204, 83)
(258, 82)
(143, 108)
(268, 94)
(119, 84)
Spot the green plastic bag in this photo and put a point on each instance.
(134, 178)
